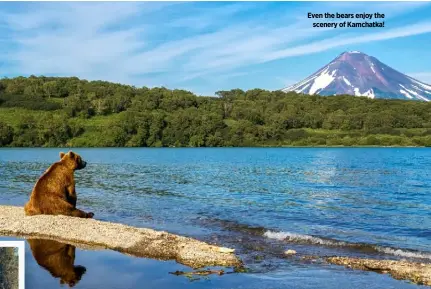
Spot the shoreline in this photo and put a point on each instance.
(417, 273)
(139, 242)
(92, 234)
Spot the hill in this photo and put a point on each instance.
(58, 112)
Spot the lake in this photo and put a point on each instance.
(366, 202)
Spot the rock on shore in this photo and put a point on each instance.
(139, 242)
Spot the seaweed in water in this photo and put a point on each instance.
(205, 273)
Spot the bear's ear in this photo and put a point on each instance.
(61, 155)
(71, 154)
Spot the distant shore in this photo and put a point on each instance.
(230, 147)
(103, 114)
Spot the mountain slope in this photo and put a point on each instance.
(358, 74)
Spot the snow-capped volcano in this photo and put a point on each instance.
(359, 74)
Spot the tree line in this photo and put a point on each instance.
(68, 111)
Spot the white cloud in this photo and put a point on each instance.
(421, 76)
(202, 19)
(286, 82)
(390, 9)
(151, 43)
(337, 41)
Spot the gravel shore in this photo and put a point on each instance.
(418, 273)
(139, 242)
(142, 242)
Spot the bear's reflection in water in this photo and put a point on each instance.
(58, 258)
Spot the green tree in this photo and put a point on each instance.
(99, 113)
(6, 134)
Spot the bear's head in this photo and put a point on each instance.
(73, 160)
(72, 278)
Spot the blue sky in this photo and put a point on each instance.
(204, 46)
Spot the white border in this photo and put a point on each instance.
(21, 259)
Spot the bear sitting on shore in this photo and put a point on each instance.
(54, 192)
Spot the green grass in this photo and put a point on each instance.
(56, 100)
(97, 122)
(230, 122)
(96, 130)
(90, 138)
(12, 115)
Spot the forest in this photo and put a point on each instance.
(9, 278)
(72, 112)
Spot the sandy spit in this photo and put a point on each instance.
(140, 242)
(418, 273)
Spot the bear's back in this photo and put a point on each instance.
(53, 256)
(56, 177)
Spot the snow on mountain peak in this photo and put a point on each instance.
(322, 81)
(359, 74)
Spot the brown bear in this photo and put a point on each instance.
(54, 192)
(59, 259)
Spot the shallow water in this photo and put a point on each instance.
(370, 202)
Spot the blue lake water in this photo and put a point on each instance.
(368, 202)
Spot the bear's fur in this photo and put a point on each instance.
(54, 192)
(58, 258)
